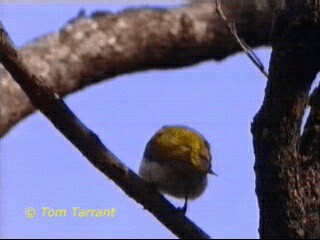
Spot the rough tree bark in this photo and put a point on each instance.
(91, 49)
(288, 164)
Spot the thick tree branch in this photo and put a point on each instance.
(41, 95)
(91, 49)
(310, 139)
(310, 164)
(288, 190)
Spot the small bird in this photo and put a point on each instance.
(176, 161)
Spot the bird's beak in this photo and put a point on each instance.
(212, 172)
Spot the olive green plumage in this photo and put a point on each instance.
(177, 160)
(180, 144)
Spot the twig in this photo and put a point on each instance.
(248, 51)
(88, 143)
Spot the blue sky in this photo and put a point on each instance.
(40, 168)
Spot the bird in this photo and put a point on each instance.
(177, 161)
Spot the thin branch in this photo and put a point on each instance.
(88, 143)
(245, 47)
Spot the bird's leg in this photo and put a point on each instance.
(185, 205)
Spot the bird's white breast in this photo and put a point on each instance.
(168, 180)
(152, 172)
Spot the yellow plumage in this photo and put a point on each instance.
(177, 160)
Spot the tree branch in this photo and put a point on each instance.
(288, 191)
(310, 164)
(247, 49)
(91, 49)
(49, 103)
(310, 139)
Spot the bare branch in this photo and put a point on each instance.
(49, 103)
(245, 47)
(91, 49)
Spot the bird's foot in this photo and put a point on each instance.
(182, 210)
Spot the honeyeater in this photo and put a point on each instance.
(176, 161)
